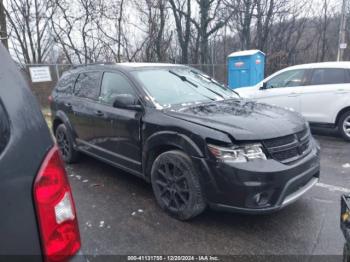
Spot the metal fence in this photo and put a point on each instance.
(42, 90)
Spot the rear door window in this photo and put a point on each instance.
(88, 85)
(4, 128)
(328, 76)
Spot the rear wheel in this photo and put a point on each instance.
(344, 125)
(176, 185)
(65, 144)
(346, 256)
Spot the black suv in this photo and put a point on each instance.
(38, 218)
(195, 140)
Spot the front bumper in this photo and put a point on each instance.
(262, 186)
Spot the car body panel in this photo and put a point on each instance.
(29, 142)
(243, 119)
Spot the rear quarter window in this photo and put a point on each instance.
(4, 128)
(88, 85)
(66, 84)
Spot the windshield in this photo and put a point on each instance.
(182, 86)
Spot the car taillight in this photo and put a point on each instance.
(50, 99)
(55, 208)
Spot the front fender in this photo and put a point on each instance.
(170, 138)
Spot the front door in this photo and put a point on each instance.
(117, 130)
(283, 90)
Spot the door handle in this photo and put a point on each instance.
(99, 113)
(293, 94)
(342, 91)
(68, 104)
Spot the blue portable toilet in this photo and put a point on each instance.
(245, 68)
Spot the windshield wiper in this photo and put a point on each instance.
(183, 78)
(214, 82)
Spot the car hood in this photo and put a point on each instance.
(242, 119)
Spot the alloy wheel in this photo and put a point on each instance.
(63, 143)
(171, 180)
(346, 126)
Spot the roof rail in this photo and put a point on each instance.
(92, 64)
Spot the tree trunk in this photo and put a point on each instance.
(3, 25)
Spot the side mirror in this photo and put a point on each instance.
(126, 101)
(264, 86)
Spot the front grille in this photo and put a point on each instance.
(289, 148)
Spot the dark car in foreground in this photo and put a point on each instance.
(195, 140)
(345, 225)
(38, 219)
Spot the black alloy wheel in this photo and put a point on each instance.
(176, 186)
(65, 144)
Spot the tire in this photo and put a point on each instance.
(346, 253)
(344, 125)
(176, 185)
(65, 143)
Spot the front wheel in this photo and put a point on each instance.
(176, 185)
(344, 125)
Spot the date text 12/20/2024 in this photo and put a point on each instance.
(173, 258)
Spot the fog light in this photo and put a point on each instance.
(261, 199)
(346, 217)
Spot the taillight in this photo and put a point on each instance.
(50, 99)
(55, 208)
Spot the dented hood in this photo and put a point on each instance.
(242, 119)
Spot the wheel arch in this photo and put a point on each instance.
(340, 114)
(161, 142)
(61, 118)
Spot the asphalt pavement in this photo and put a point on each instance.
(118, 215)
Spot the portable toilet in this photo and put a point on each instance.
(245, 68)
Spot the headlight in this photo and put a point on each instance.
(238, 154)
(346, 217)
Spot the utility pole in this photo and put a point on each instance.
(342, 31)
(3, 26)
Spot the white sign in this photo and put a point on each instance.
(40, 74)
(343, 45)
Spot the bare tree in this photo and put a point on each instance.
(265, 11)
(182, 11)
(213, 16)
(3, 25)
(241, 22)
(76, 30)
(29, 21)
(322, 24)
(154, 17)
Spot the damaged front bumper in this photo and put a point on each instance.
(261, 186)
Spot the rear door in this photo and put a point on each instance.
(117, 130)
(283, 89)
(321, 96)
(63, 95)
(86, 92)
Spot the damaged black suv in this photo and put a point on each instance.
(195, 140)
